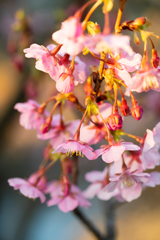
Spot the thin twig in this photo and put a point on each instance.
(88, 224)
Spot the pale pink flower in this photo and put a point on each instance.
(150, 151)
(102, 43)
(66, 197)
(111, 153)
(93, 133)
(129, 184)
(58, 66)
(98, 183)
(154, 179)
(72, 146)
(58, 133)
(145, 80)
(30, 118)
(46, 62)
(71, 36)
(31, 188)
(128, 63)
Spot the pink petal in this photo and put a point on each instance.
(68, 204)
(92, 190)
(131, 193)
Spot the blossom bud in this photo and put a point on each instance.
(155, 59)
(125, 108)
(137, 112)
(93, 28)
(88, 87)
(115, 120)
(139, 21)
(46, 125)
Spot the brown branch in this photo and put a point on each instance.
(88, 224)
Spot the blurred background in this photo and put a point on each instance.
(21, 152)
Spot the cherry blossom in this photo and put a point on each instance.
(113, 152)
(66, 197)
(59, 133)
(30, 117)
(145, 80)
(150, 151)
(72, 146)
(102, 43)
(58, 66)
(31, 188)
(71, 36)
(128, 183)
(94, 133)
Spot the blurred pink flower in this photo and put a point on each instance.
(31, 188)
(30, 118)
(67, 197)
(145, 80)
(71, 36)
(58, 133)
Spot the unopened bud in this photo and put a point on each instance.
(93, 28)
(137, 112)
(88, 87)
(125, 108)
(139, 21)
(72, 98)
(45, 127)
(155, 59)
(115, 120)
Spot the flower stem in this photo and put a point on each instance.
(84, 24)
(109, 135)
(88, 224)
(119, 16)
(77, 133)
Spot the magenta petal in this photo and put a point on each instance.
(68, 204)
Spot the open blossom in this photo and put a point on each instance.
(98, 183)
(71, 36)
(59, 133)
(129, 184)
(58, 66)
(102, 43)
(67, 197)
(30, 118)
(31, 188)
(72, 146)
(111, 153)
(145, 80)
(128, 63)
(150, 152)
(94, 133)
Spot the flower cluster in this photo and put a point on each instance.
(116, 65)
